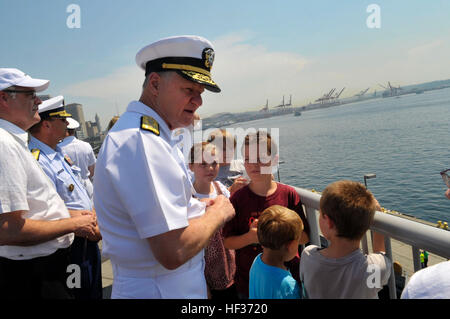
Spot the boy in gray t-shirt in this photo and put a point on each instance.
(341, 270)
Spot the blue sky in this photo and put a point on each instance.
(264, 49)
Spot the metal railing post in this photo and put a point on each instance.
(416, 258)
(391, 282)
(311, 216)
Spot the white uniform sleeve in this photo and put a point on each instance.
(13, 180)
(150, 184)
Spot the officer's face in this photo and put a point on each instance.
(59, 128)
(23, 107)
(178, 99)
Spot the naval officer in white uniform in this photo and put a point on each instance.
(153, 230)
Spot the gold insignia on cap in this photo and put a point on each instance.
(36, 153)
(148, 123)
(200, 77)
(208, 56)
(71, 187)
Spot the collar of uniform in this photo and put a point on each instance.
(44, 148)
(67, 140)
(15, 130)
(139, 107)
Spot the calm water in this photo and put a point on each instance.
(404, 141)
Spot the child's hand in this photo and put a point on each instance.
(253, 232)
(238, 184)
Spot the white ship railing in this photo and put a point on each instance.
(417, 235)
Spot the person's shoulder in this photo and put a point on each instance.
(287, 189)
(310, 250)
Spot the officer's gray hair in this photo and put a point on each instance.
(161, 74)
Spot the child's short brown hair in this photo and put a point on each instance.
(278, 225)
(261, 139)
(201, 151)
(350, 206)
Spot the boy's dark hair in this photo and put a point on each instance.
(263, 142)
(350, 206)
(278, 225)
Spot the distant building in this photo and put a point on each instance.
(97, 122)
(92, 129)
(77, 113)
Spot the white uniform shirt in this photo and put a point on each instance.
(24, 186)
(82, 155)
(142, 189)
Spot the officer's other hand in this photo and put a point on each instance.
(84, 225)
(224, 206)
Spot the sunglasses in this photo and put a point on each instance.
(446, 177)
(31, 94)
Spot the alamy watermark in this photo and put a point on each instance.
(373, 21)
(74, 19)
(262, 145)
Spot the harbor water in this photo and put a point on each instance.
(403, 140)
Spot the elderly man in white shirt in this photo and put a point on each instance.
(36, 229)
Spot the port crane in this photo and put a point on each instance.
(390, 90)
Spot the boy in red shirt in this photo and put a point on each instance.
(260, 154)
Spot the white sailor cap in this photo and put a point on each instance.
(53, 107)
(14, 77)
(190, 56)
(73, 124)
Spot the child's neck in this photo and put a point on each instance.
(273, 258)
(264, 186)
(203, 187)
(340, 247)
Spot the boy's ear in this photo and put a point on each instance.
(329, 222)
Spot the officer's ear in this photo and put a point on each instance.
(153, 83)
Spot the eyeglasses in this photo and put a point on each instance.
(446, 177)
(31, 94)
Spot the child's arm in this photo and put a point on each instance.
(238, 242)
(378, 243)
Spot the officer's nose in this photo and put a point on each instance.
(197, 100)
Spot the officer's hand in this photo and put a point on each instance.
(224, 206)
(447, 193)
(84, 225)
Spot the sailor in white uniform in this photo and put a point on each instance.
(153, 230)
(82, 155)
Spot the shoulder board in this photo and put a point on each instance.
(68, 160)
(36, 153)
(148, 123)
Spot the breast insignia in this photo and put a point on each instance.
(148, 123)
(71, 187)
(68, 160)
(36, 153)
